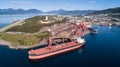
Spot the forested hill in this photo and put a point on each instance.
(107, 11)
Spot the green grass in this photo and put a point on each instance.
(24, 40)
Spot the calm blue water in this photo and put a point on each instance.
(101, 50)
(8, 19)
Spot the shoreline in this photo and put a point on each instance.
(11, 25)
(8, 44)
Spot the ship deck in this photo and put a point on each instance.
(53, 48)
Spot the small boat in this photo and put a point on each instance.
(59, 46)
(93, 30)
(110, 24)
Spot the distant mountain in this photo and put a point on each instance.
(107, 11)
(71, 12)
(58, 12)
(33, 11)
(55, 11)
(18, 11)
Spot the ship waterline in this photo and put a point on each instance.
(43, 53)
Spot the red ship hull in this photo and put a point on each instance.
(53, 52)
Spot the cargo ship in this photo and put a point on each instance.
(59, 45)
(58, 48)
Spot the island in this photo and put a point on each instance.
(30, 32)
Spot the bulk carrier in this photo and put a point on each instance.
(60, 45)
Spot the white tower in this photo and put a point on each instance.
(46, 18)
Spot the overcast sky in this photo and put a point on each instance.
(47, 5)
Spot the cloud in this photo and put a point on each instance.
(22, 2)
(92, 2)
